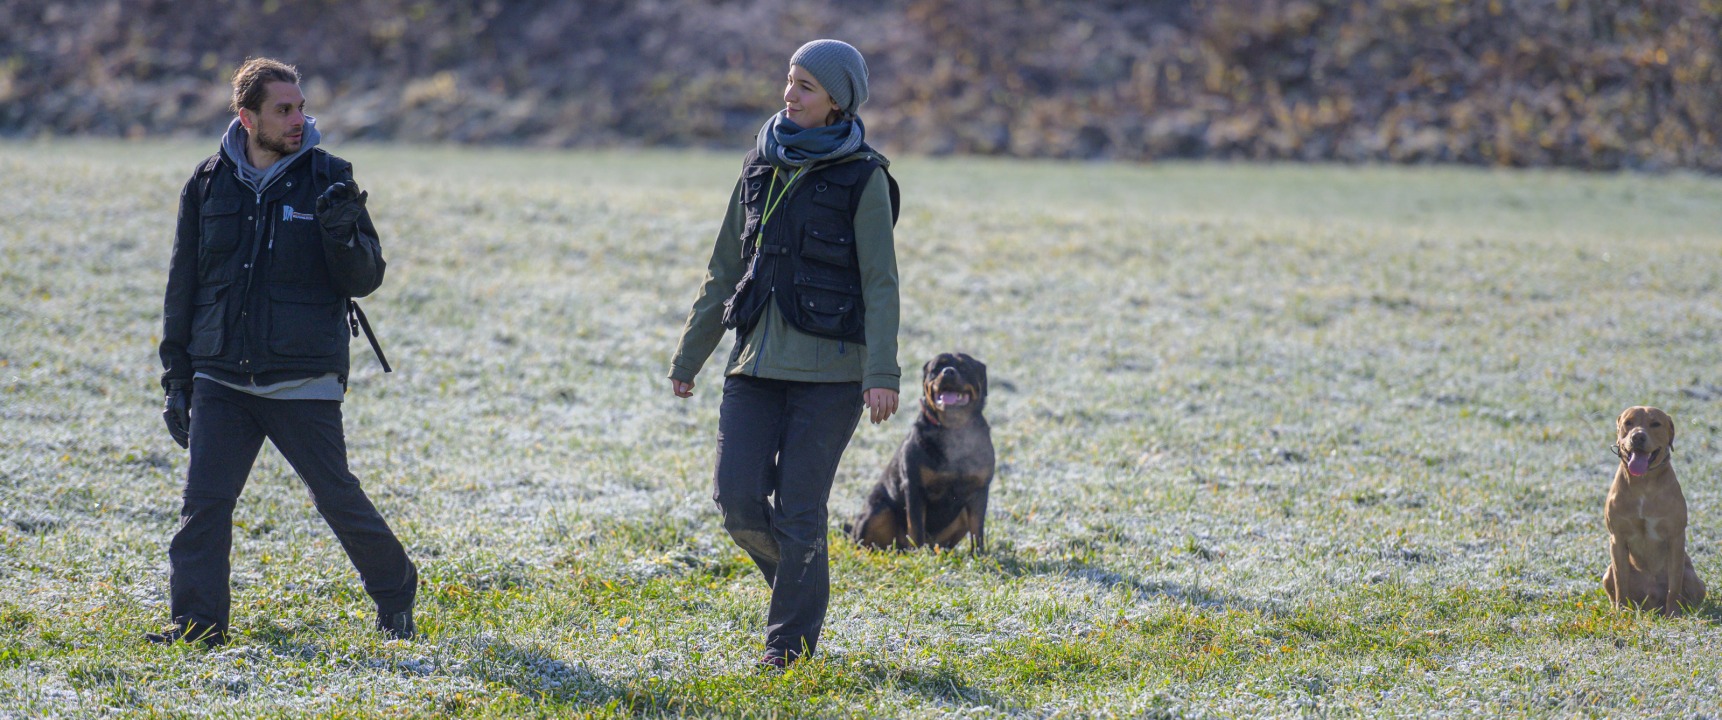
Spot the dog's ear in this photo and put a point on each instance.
(1620, 422)
(980, 373)
(927, 369)
(1670, 419)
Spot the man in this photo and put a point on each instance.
(273, 241)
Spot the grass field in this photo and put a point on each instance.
(1273, 441)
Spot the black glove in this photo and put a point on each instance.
(338, 210)
(176, 411)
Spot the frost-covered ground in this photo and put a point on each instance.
(1273, 440)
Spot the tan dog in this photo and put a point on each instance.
(1646, 516)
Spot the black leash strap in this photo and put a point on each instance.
(355, 320)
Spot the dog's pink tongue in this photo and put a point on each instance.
(1637, 464)
(950, 398)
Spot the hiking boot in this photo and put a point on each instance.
(207, 636)
(775, 661)
(398, 625)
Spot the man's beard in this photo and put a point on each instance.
(276, 144)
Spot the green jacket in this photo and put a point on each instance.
(776, 349)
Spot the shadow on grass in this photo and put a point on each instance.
(536, 674)
(934, 684)
(1013, 565)
(1710, 610)
(530, 671)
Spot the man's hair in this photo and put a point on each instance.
(251, 81)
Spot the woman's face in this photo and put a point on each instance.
(805, 101)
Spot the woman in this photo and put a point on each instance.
(804, 271)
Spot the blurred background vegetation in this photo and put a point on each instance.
(1595, 84)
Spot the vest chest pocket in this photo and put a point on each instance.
(220, 226)
(828, 243)
(208, 326)
(306, 321)
(832, 191)
(753, 184)
(295, 247)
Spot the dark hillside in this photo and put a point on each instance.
(1596, 84)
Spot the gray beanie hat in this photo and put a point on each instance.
(839, 67)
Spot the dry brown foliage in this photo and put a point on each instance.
(1597, 84)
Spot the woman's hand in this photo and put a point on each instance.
(682, 389)
(882, 402)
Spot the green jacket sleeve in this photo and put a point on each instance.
(876, 250)
(704, 328)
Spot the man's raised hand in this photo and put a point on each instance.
(338, 210)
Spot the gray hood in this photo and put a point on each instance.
(233, 143)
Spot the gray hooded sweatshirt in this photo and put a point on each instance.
(233, 143)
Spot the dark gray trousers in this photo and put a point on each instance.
(777, 451)
(227, 431)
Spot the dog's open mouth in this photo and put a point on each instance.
(947, 399)
(1638, 463)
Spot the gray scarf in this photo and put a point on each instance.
(787, 145)
(233, 143)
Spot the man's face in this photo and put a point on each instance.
(278, 126)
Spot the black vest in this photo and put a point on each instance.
(805, 256)
(265, 300)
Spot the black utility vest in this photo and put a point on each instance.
(265, 301)
(805, 257)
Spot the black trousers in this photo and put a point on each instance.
(227, 431)
(777, 451)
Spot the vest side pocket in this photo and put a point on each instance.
(828, 307)
(306, 321)
(734, 312)
(824, 313)
(208, 329)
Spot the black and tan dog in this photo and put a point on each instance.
(1646, 515)
(934, 491)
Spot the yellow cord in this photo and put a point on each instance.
(772, 203)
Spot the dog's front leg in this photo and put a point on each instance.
(1618, 564)
(915, 514)
(1675, 566)
(978, 522)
